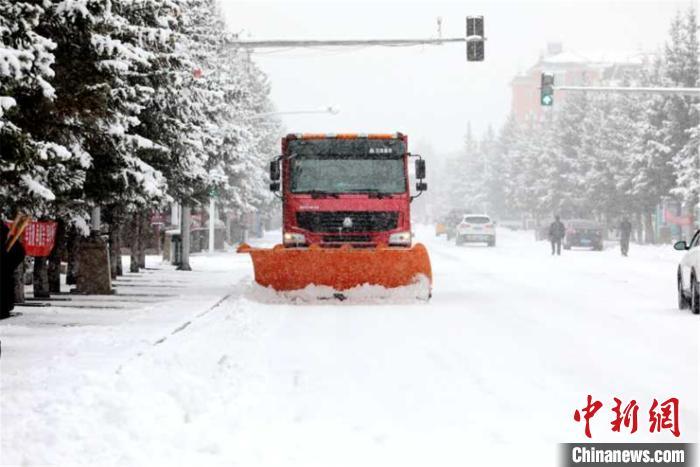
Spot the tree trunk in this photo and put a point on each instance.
(134, 242)
(114, 253)
(72, 252)
(120, 236)
(55, 258)
(185, 229)
(649, 228)
(639, 223)
(144, 233)
(19, 283)
(41, 278)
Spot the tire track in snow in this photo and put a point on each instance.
(183, 326)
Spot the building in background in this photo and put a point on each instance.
(569, 68)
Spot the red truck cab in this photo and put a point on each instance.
(340, 189)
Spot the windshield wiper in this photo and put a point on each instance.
(373, 193)
(321, 194)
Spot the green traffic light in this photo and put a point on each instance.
(547, 89)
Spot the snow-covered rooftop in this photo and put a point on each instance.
(607, 57)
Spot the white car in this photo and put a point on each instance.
(476, 228)
(689, 274)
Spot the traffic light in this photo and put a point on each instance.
(547, 89)
(475, 38)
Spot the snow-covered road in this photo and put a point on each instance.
(489, 372)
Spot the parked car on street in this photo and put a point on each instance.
(476, 228)
(449, 222)
(688, 274)
(583, 233)
(440, 229)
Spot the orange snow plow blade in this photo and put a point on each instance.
(286, 269)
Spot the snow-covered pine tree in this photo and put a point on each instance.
(533, 181)
(607, 139)
(493, 178)
(508, 138)
(259, 137)
(553, 193)
(686, 162)
(571, 160)
(178, 116)
(241, 139)
(652, 174)
(39, 168)
(466, 175)
(681, 67)
(148, 26)
(624, 122)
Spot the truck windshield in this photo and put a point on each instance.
(347, 166)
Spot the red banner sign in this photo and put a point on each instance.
(671, 218)
(39, 237)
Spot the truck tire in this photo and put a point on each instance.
(458, 240)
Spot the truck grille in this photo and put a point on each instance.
(346, 238)
(362, 221)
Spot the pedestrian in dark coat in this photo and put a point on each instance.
(9, 260)
(625, 234)
(556, 234)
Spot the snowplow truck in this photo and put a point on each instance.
(346, 215)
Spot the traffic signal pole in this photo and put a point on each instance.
(632, 90)
(346, 43)
(547, 89)
(474, 40)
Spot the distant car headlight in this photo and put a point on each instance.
(291, 238)
(400, 238)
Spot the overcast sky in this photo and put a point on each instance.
(428, 92)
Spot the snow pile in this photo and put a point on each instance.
(365, 294)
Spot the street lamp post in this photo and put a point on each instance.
(332, 110)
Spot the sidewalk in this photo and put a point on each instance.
(143, 307)
(48, 350)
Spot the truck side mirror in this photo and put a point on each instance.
(420, 169)
(421, 186)
(274, 171)
(275, 186)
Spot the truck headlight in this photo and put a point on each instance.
(291, 238)
(400, 238)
